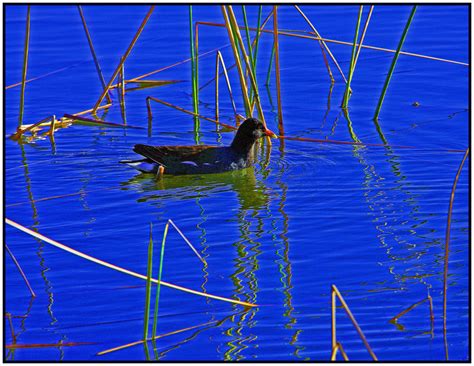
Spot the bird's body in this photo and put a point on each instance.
(202, 159)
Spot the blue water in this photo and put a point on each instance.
(370, 220)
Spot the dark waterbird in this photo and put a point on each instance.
(202, 159)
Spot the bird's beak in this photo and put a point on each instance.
(270, 134)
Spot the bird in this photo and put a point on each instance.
(202, 159)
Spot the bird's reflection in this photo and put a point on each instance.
(250, 192)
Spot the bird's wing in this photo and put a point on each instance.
(172, 154)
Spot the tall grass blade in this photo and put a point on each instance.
(249, 50)
(277, 70)
(25, 67)
(148, 285)
(394, 62)
(352, 65)
(446, 248)
(158, 285)
(20, 270)
(117, 268)
(94, 56)
(124, 57)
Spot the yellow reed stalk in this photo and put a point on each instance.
(117, 268)
(243, 83)
(124, 57)
(364, 31)
(247, 64)
(23, 129)
(110, 350)
(354, 322)
(338, 347)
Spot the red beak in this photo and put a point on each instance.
(270, 134)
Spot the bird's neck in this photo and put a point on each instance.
(243, 146)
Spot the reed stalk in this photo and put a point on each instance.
(313, 37)
(249, 51)
(216, 96)
(254, 42)
(23, 129)
(362, 37)
(247, 63)
(338, 347)
(94, 56)
(117, 268)
(158, 286)
(122, 94)
(136, 343)
(220, 61)
(9, 317)
(335, 291)
(257, 39)
(124, 57)
(25, 67)
(270, 64)
(148, 285)
(328, 67)
(243, 84)
(323, 42)
(410, 308)
(394, 62)
(150, 115)
(193, 69)
(96, 122)
(352, 65)
(187, 242)
(446, 245)
(17, 264)
(277, 70)
(53, 126)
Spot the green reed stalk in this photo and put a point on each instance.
(193, 60)
(351, 69)
(193, 69)
(394, 61)
(257, 38)
(148, 285)
(158, 287)
(270, 65)
(25, 67)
